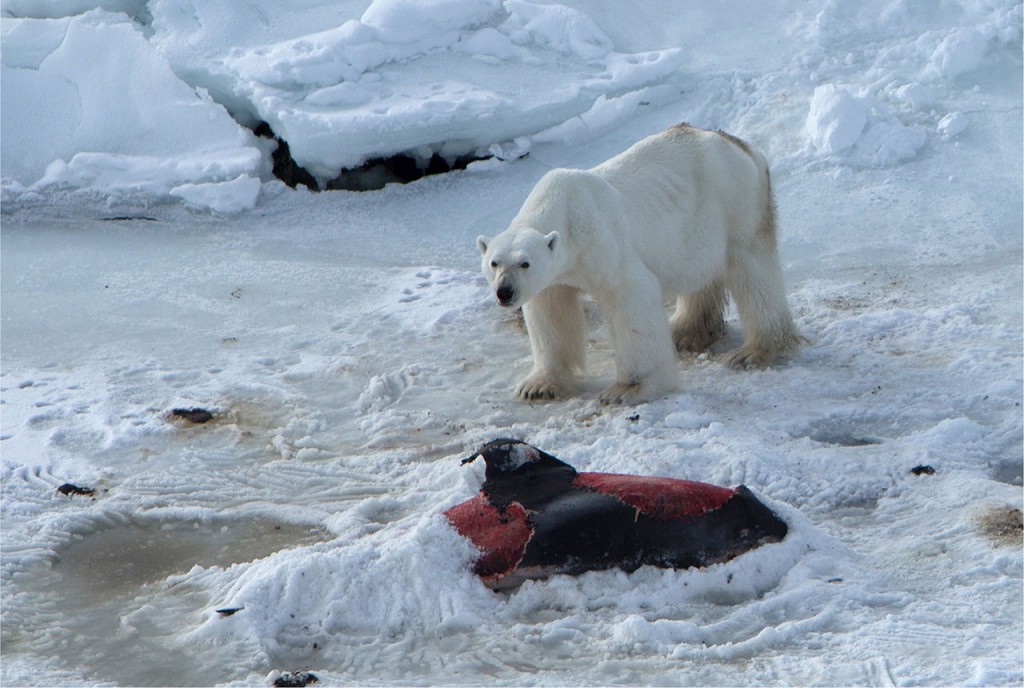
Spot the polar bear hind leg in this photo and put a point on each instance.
(754, 278)
(699, 321)
(554, 320)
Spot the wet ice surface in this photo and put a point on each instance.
(110, 567)
(342, 399)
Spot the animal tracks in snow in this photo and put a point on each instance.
(440, 296)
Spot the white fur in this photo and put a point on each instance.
(687, 213)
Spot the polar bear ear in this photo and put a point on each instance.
(552, 239)
(481, 243)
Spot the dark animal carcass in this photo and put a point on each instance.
(536, 516)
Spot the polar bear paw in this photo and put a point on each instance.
(621, 393)
(762, 352)
(748, 357)
(638, 388)
(699, 337)
(543, 386)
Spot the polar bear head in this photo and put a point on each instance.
(519, 263)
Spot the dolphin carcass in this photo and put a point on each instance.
(536, 516)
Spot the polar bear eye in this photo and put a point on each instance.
(494, 263)
(525, 264)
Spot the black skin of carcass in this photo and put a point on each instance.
(577, 529)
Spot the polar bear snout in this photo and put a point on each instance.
(505, 293)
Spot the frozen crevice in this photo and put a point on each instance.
(373, 174)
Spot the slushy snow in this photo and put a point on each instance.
(351, 355)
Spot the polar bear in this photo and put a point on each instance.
(685, 214)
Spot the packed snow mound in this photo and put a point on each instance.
(877, 107)
(836, 119)
(340, 83)
(440, 77)
(90, 104)
(959, 52)
(866, 131)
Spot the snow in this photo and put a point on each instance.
(836, 119)
(445, 77)
(959, 52)
(351, 354)
(438, 77)
(952, 124)
(232, 196)
(110, 133)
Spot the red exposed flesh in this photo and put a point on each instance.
(500, 537)
(662, 498)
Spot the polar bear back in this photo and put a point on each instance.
(681, 199)
(677, 200)
(689, 173)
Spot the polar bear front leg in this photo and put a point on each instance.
(645, 355)
(554, 320)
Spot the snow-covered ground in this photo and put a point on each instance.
(351, 353)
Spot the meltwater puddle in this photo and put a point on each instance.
(104, 607)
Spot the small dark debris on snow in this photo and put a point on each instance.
(193, 415)
(72, 490)
(295, 679)
(129, 218)
(634, 418)
(922, 470)
(228, 611)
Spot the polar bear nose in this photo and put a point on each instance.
(505, 293)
